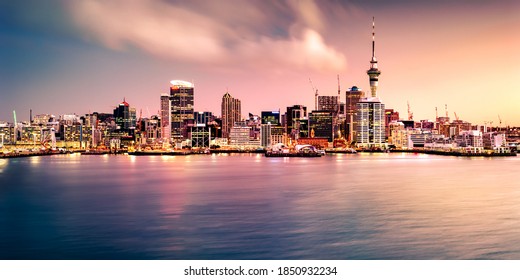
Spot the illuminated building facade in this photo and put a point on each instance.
(353, 95)
(231, 113)
(125, 117)
(272, 117)
(181, 98)
(293, 116)
(320, 125)
(166, 129)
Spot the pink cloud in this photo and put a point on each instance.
(214, 34)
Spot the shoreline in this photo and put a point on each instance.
(187, 152)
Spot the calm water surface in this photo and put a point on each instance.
(379, 206)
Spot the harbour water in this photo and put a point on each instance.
(246, 206)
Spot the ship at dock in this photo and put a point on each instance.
(280, 150)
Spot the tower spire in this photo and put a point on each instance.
(374, 39)
(373, 73)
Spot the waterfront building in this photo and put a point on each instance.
(390, 116)
(293, 116)
(278, 135)
(321, 124)
(493, 140)
(182, 103)
(231, 113)
(470, 138)
(72, 134)
(166, 129)
(417, 138)
(6, 134)
(152, 129)
(239, 134)
(265, 131)
(200, 136)
(398, 137)
(318, 142)
(370, 123)
(353, 95)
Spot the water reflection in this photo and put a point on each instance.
(3, 164)
(383, 206)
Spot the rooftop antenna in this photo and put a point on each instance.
(446, 109)
(436, 114)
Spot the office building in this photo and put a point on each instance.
(231, 113)
(321, 125)
(182, 102)
(353, 95)
(166, 129)
(293, 116)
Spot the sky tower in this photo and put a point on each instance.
(373, 72)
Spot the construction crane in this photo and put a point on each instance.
(339, 95)
(456, 117)
(315, 91)
(410, 113)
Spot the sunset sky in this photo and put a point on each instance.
(63, 57)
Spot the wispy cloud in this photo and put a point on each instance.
(216, 33)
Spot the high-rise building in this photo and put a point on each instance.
(370, 123)
(265, 135)
(353, 95)
(125, 117)
(231, 113)
(293, 115)
(320, 125)
(166, 129)
(370, 127)
(181, 98)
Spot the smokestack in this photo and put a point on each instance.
(30, 116)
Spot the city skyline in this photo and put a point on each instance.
(56, 59)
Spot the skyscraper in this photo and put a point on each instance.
(231, 113)
(353, 95)
(181, 98)
(321, 124)
(294, 114)
(166, 129)
(125, 117)
(370, 127)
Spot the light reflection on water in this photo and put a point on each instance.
(377, 206)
